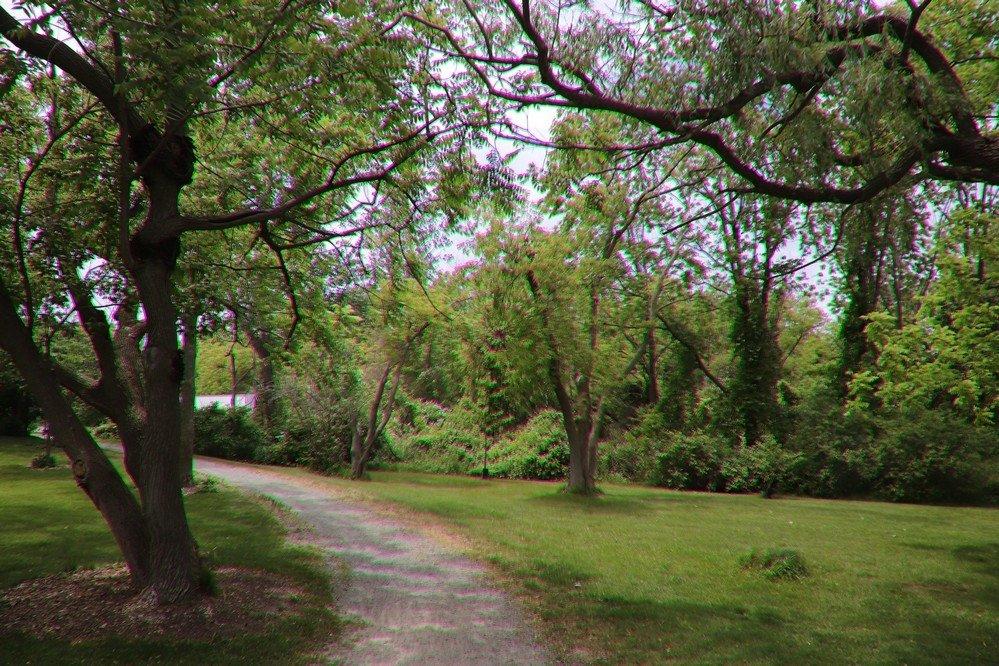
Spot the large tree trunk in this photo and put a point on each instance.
(177, 571)
(582, 464)
(188, 391)
(176, 567)
(578, 482)
(94, 473)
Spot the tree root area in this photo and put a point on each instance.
(93, 604)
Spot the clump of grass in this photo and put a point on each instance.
(205, 483)
(775, 563)
(43, 460)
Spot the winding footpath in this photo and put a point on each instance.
(414, 602)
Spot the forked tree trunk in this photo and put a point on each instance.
(361, 449)
(363, 446)
(93, 472)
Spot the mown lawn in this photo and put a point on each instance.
(645, 575)
(47, 526)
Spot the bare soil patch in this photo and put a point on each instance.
(99, 603)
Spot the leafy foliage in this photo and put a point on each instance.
(227, 433)
(18, 411)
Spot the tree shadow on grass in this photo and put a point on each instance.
(982, 557)
(67, 541)
(652, 631)
(937, 620)
(597, 504)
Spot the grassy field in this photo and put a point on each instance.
(644, 575)
(47, 526)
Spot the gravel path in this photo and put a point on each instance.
(416, 602)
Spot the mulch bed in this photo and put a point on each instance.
(99, 603)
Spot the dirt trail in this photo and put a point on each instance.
(416, 603)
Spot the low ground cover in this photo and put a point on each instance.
(644, 575)
(48, 528)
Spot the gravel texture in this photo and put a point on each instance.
(414, 601)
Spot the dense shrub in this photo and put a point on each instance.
(764, 468)
(631, 453)
(451, 443)
(43, 460)
(418, 414)
(227, 433)
(444, 450)
(321, 443)
(18, 411)
(538, 449)
(691, 462)
(932, 456)
(106, 430)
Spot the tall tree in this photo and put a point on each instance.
(163, 82)
(780, 93)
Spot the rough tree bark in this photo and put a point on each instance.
(177, 569)
(93, 472)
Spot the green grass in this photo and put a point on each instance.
(646, 575)
(48, 526)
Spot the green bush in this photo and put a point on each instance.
(764, 468)
(443, 450)
(932, 456)
(690, 462)
(105, 430)
(436, 440)
(227, 433)
(775, 563)
(321, 443)
(43, 460)
(538, 449)
(418, 414)
(18, 411)
(631, 453)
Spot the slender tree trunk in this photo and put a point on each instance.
(233, 380)
(362, 448)
(188, 391)
(356, 450)
(265, 405)
(652, 368)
